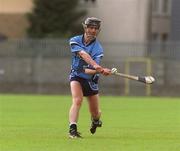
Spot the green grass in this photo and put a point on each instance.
(40, 123)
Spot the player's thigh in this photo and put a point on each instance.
(93, 102)
(76, 91)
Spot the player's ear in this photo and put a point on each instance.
(84, 26)
(98, 31)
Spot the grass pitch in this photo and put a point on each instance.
(40, 123)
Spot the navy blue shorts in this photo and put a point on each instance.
(89, 87)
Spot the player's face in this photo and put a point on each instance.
(91, 31)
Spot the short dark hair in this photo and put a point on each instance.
(92, 21)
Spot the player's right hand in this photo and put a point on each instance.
(106, 72)
(103, 71)
(98, 68)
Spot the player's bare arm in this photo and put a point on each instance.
(90, 71)
(98, 69)
(86, 57)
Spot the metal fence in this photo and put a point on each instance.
(42, 66)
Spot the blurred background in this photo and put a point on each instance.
(139, 37)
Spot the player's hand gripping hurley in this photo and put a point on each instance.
(145, 79)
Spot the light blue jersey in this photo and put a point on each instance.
(94, 49)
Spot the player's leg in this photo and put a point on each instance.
(94, 109)
(77, 98)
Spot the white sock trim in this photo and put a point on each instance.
(72, 123)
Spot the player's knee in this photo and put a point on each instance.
(77, 101)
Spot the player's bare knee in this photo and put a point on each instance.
(77, 101)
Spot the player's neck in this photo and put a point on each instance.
(87, 39)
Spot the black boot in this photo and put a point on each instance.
(94, 125)
(73, 133)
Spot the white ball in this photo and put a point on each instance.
(113, 70)
(149, 79)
